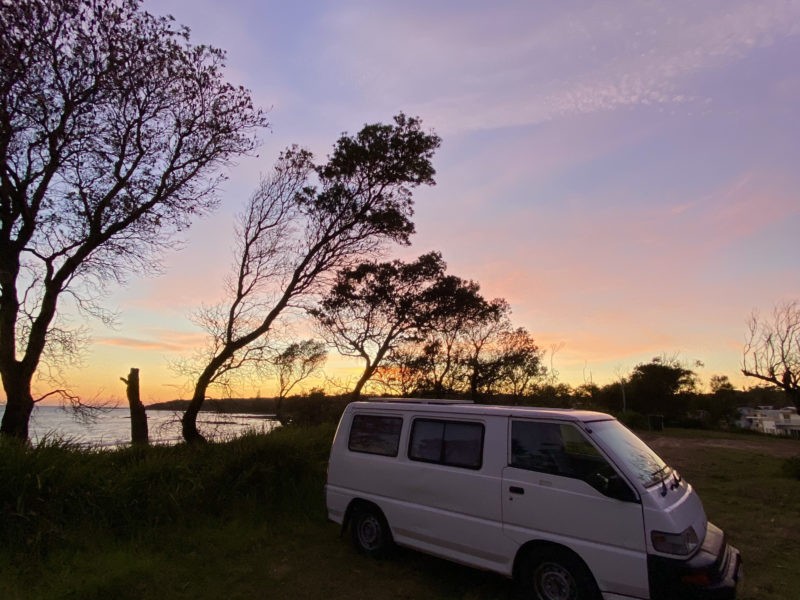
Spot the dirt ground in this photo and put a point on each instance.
(781, 448)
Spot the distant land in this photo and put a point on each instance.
(260, 406)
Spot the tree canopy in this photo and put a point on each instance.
(113, 130)
(305, 223)
(374, 307)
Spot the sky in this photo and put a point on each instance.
(625, 174)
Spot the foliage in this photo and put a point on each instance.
(374, 307)
(255, 551)
(297, 362)
(314, 408)
(662, 386)
(468, 349)
(436, 364)
(772, 350)
(303, 224)
(48, 493)
(113, 130)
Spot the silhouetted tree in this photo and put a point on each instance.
(296, 233)
(718, 407)
(112, 131)
(296, 362)
(481, 366)
(772, 350)
(661, 386)
(374, 307)
(520, 362)
(459, 309)
(435, 365)
(720, 384)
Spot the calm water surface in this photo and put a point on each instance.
(112, 427)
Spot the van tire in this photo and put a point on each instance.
(553, 573)
(370, 531)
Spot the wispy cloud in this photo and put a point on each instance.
(164, 341)
(527, 66)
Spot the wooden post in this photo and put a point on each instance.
(139, 433)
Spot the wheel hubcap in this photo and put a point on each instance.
(554, 582)
(369, 532)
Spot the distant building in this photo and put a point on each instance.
(773, 421)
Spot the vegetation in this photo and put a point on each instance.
(303, 224)
(245, 519)
(113, 128)
(772, 350)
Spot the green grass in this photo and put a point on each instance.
(246, 520)
(748, 495)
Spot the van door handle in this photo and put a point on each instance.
(516, 490)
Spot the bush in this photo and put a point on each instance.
(634, 420)
(54, 489)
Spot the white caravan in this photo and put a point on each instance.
(571, 503)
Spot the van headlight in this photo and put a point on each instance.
(683, 543)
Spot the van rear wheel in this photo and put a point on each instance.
(554, 574)
(370, 531)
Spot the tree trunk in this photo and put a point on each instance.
(365, 377)
(19, 406)
(189, 421)
(139, 434)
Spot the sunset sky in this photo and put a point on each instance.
(625, 174)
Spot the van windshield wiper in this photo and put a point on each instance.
(663, 478)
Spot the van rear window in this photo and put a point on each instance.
(375, 435)
(452, 443)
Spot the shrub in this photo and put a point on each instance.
(56, 488)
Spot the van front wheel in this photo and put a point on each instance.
(370, 531)
(553, 574)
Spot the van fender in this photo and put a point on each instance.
(356, 504)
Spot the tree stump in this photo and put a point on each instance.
(139, 434)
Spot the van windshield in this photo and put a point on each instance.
(637, 456)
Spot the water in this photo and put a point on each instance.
(112, 427)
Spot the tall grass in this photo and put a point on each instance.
(56, 490)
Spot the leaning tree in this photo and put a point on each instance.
(113, 128)
(303, 224)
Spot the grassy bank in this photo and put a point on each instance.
(245, 520)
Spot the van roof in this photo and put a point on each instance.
(467, 407)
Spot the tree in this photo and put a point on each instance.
(113, 128)
(520, 361)
(459, 308)
(720, 384)
(772, 349)
(296, 233)
(661, 386)
(462, 350)
(374, 307)
(297, 362)
(482, 368)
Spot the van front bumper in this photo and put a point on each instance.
(711, 574)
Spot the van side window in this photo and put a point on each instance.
(560, 449)
(452, 443)
(375, 435)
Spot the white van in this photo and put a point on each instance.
(570, 502)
